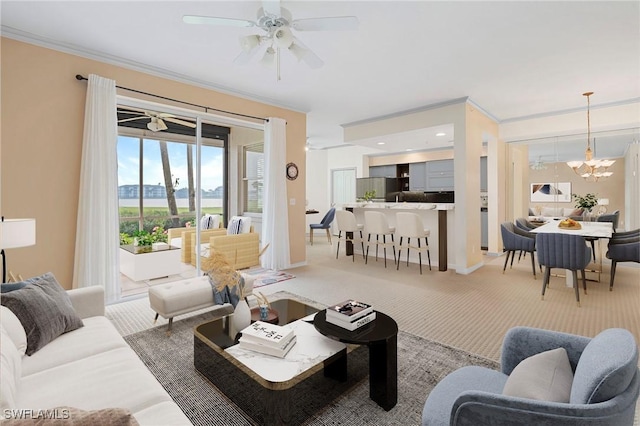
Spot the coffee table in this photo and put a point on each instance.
(272, 390)
(381, 336)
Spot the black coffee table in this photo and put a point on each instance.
(381, 336)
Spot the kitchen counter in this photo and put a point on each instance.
(435, 218)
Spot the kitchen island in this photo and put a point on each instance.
(437, 218)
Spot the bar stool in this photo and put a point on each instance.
(347, 223)
(410, 225)
(376, 223)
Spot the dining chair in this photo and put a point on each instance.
(348, 224)
(514, 239)
(376, 223)
(410, 225)
(607, 217)
(623, 247)
(325, 224)
(563, 251)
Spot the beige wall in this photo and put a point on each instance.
(42, 109)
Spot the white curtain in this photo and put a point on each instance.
(275, 218)
(97, 235)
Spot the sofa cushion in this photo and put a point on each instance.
(606, 367)
(98, 335)
(114, 378)
(10, 371)
(545, 376)
(551, 211)
(14, 329)
(44, 310)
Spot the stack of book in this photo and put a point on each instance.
(267, 338)
(350, 314)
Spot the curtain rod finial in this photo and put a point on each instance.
(79, 77)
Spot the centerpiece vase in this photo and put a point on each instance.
(241, 317)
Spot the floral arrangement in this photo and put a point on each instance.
(586, 202)
(369, 195)
(143, 238)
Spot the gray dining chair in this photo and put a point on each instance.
(325, 224)
(514, 239)
(563, 251)
(607, 217)
(623, 247)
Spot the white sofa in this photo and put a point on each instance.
(89, 368)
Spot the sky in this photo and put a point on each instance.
(128, 161)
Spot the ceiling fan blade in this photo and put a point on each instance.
(336, 23)
(271, 7)
(245, 56)
(131, 119)
(303, 53)
(181, 122)
(216, 20)
(130, 110)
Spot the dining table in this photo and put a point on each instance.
(595, 230)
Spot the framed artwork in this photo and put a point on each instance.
(559, 192)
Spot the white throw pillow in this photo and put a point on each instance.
(15, 330)
(10, 371)
(546, 376)
(239, 225)
(210, 221)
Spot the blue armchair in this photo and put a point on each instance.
(604, 390)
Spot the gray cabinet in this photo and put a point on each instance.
(483, 174)
(383, 171)
(439, 175)
(417, 176)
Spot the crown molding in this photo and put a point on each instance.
(76, 50)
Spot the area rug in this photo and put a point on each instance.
(264, 276)
(421, 365)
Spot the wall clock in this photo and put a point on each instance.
(292, 171)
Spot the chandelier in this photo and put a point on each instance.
(589, 169)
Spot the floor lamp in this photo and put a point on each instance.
(15, 233)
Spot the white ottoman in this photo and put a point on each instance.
(184, 296)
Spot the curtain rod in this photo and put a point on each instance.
(206, 108)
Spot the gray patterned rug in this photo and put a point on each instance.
(421, 364)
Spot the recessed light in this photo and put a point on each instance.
(441, 134)
(380, 143)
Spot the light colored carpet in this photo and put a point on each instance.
(469, 312)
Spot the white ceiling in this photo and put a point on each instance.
(512, 59)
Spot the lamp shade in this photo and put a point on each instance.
(17, 233)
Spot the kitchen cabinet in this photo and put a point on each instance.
(383, 171)
(439, 175)
(417, 176)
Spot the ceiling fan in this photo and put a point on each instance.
(156, 119)
(277, 24)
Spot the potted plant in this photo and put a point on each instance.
(369, 195)
(586, 202)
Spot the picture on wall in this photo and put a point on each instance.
(559, 192)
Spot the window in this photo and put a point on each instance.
(156, 182)
(253, 177)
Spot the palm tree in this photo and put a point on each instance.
(168, 182)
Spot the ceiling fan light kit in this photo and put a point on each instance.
(591, 170)
(277, 24)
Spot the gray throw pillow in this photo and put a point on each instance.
(546, 376)
(44, 310)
